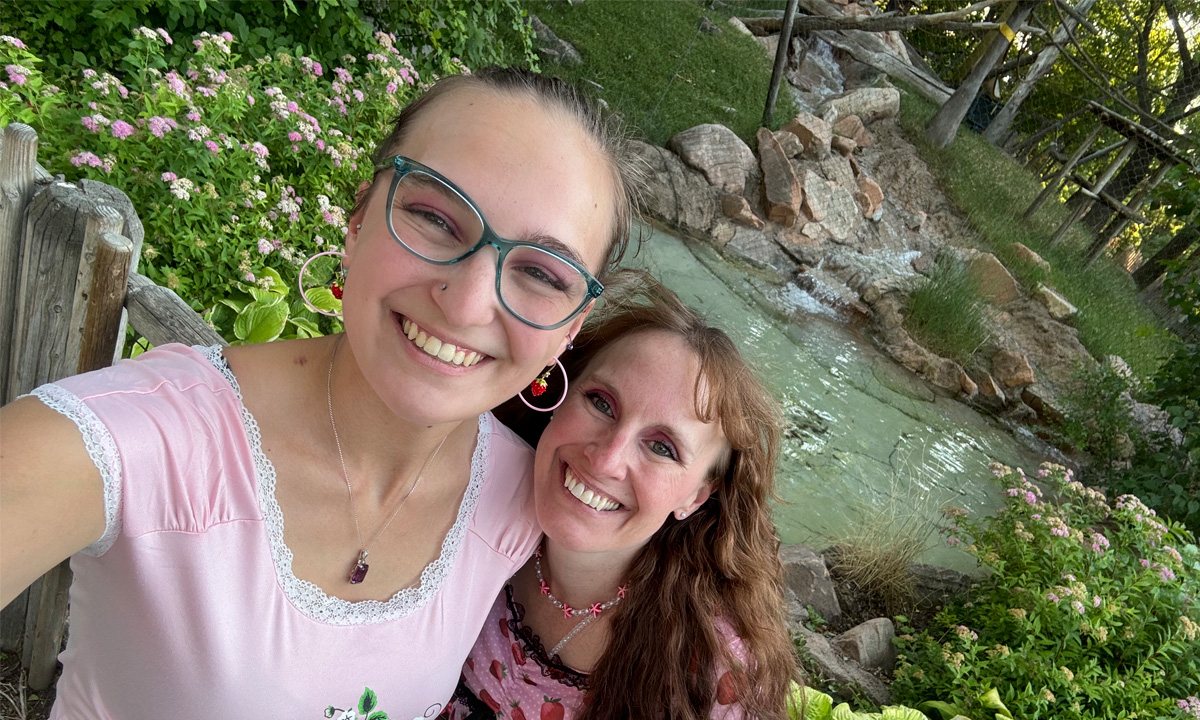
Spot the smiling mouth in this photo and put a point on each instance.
(436, 347)
(588, 497)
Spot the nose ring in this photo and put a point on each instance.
(443, 286)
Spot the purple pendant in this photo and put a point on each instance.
(359, 573)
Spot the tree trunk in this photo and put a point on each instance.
(1152, 268)
(944, 125)
(1045, 60)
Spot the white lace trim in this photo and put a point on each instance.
(312, 600)
(101, 448)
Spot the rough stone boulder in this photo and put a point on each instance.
(781, 188)
(869, 104)
(934, 587)
(869, 644)
(814, 133)
(869, 198)
(718, 153)
(805, 573)
(990, 394)
(842, 213)
(837, 169)
(817, 196)
(851, 126)
(1011, 368)
(1025, 255)
(1058, 306)
(969, 387)
(790, 143)
(676, 194)
(551, 46)
(753, 246)
(1044, 402)
(1053, 348)
(737, 208)
(845, 674)
(995, 283)
(740, 26)
(843, 145)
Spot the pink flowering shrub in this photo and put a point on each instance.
(1089, 609)
(239, 170)
(25, 95)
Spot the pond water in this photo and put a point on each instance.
(866, 441)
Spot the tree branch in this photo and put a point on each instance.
(1180, 35)
(876, 23)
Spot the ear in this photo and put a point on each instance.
(355, 221)
(573, 328)
(701, 497)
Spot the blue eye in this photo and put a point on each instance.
(600, 402)
(662, 449)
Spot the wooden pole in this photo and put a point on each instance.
(161, 316)
(1056, 184)
(106, 302)
(18, 157)
(1122, 221)
(781, 53)
(1093, 192)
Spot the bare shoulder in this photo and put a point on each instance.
(270, 365)
(45, 472)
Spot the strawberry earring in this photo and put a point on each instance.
(539, 385)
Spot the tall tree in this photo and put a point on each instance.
(944, 125)
(1000, 124)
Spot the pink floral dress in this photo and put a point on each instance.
(510, 674)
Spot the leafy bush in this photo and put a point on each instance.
(1090, 611)
(945, 314)
(430, 32)
(238, 171)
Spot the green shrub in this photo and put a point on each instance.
(238, 171)
(69, 33)
(945, 314)
(1090, 610)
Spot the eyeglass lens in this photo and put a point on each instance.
(432, 220)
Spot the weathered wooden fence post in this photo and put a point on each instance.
(69, 304)
(18, 158)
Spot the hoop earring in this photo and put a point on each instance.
(538, 386)
(335, 288)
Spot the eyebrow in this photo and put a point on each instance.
(552, 243)
(683, 444)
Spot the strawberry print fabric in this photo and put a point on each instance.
(510, 675)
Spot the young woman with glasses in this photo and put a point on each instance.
(657, 591)
(263, 531)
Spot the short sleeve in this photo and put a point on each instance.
(165, 432)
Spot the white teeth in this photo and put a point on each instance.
(594, 500)
(444, 351)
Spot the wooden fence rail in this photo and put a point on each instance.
(68, 285)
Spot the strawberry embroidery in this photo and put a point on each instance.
(518, 654)
(528, 680)
(730, 687)
(489, 700)
(552, 709)
(517, 713)
(498, 670)
(504, 627)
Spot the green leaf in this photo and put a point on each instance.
(260, 322)
(900, 712)
(278, 286)
(367, 702)
(817, 705)
(945, 709)
(306, 325)
(322, 297)
(378, 715)
(234, 304)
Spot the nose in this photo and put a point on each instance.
(469, 299)
(607, 453)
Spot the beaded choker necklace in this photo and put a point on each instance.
(592, 612)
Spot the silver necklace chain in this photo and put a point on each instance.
(364, 547)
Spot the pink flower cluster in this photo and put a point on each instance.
(160, 126)
(121, 129)
(10, 40)
(1191, 704)
(311, 67)
(17, 74)
(177, 85)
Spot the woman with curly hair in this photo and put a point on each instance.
(657, 590)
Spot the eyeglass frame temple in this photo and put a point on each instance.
(404, 166)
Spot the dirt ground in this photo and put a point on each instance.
(16, 701)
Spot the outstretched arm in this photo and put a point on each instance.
(51, 494)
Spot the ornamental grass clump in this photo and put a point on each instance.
(1090, 610)
(238, 170)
